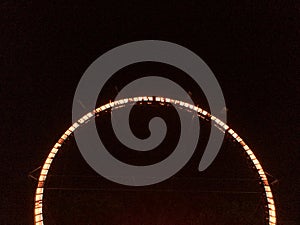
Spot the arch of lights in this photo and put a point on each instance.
(38, 206)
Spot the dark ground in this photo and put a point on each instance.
(45, 48)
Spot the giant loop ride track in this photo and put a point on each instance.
(39, 194)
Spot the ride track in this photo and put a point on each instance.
(38, 202)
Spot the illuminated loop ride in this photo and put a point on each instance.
(38, 205)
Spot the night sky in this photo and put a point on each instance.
(45, 48)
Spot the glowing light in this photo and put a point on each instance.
(38, 205)
(204, 112)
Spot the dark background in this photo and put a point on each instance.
(45, 48)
